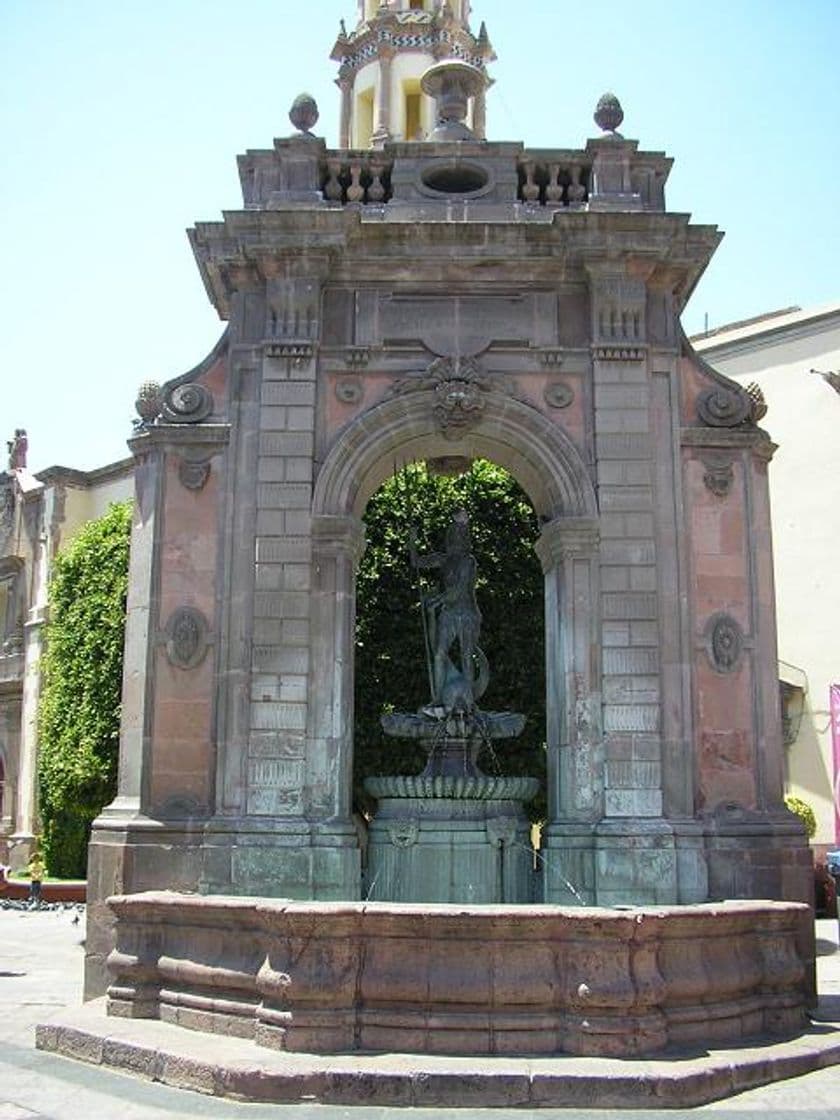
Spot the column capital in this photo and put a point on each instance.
(565, 537)
(338, 535)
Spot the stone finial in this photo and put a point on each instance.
(304, 113)
(452, 83)
(608, 114)
(148, 403)
(759, 404)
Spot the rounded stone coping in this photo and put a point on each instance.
(216, 907)
(482, 788)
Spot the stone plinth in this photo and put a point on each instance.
(537, 980)
(450, 839)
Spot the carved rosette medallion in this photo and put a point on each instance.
(718, 476)
(723, 408)
(558, 394)
(724, 643)
(459, 386)
(187, 404)
(187, 637)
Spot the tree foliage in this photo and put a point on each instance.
(79, 714)
(805, 813)
(391, 669)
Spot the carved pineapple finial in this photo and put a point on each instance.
(608, 114)
(304, 113)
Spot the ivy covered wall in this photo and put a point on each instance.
(79, 714)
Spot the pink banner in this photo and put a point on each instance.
(834, 691)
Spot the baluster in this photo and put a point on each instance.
(376, 192)
(554, 190)
(530, 190)
(577, 191)
(332, 187)
(355, 192)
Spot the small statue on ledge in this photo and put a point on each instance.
(17, 448)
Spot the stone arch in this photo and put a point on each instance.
(516, 436)
(550, 469)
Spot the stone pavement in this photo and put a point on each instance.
(40, 975)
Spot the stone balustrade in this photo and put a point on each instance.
(356, 176)
(605, 174)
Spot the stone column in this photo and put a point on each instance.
(567, 550)
(636, 861)
(382, 110)
(346, 87)
(42, 515)
(479, 115)
(109, 855)
(337, 546)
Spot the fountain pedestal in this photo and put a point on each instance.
(448, 838)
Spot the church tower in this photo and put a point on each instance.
(384, 58)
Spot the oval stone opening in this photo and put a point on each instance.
(458, 178)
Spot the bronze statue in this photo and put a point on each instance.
(453, 621)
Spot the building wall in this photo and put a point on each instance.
(778, 353)
(44, 514)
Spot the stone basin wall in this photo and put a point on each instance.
(450, 979)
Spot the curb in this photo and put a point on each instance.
(235, 1068)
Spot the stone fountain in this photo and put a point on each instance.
(451, 833)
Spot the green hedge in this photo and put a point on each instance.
(390, 663)
(79, 714)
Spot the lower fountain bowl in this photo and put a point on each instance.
(479, 788)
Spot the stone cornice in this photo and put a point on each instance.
(338, 535)
(85, 480)
(179, 437)
(750, 438)
(565, 537)
(409, 31)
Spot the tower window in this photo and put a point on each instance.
(416, 6)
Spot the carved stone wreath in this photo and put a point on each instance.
(459, 386)
(349, 390)
(558, 394)
(187, 637)
(187, 404)
(724, 643)
(723, 408)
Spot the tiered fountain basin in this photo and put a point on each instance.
(327, 978)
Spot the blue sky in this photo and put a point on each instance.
(120, 121)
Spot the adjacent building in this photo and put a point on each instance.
(40, 514)
(793, 356)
